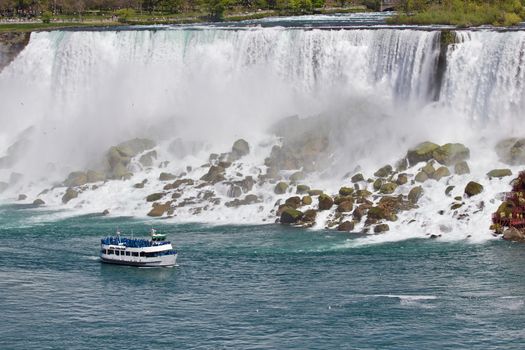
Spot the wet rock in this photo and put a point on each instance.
(118, 157)
(22, 197)
(225, 164)
(449, 189)
(473, 188)
(401, 179)
(159, 210)
(402, 164)
(325, 202)
(293, 202)
(421, 177)
(315, 192)
(511, 151)
(307, 200)
(381, 228)
(309, 216)
(297, 176)
(415, 194)
(105, 212)
(384, 171)
(345, 207)
(340, 199)
(240, 149)
(346, 191)
(360, 212)
(154, 197)
(180, 182)
(513, 234)
(440, 173)
(38, 201)
(76, 178)
(234, 191)
(166, 177)
(215, 174)
(421, 153)
(280, 188)
(499, 173)
(95, 176)
(456, 206)
(120, 172)
(357, 178)
(428, 169)
(69, 195)
(247, 200)
(376, 213)
(246, 184)
(451, 153)
(377, 184)
(461, 168)
(346, 226)
(290, 216)
(146, 160)
(301, 189)
(388, 188)
(139, 185)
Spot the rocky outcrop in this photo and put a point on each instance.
(11, 44)
(69, 195)
(511, 151)
(280, 188)
(514, 234)
(325, 202)
(215, 174)
(421, 153)
(290, 216)
(451, 153)
(38, 202)
(240, 149)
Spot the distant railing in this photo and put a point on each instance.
(131, 242)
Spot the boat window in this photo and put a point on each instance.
(135, 254)
(127, 253)
(117, 252)
(142, 254)
(110, 252)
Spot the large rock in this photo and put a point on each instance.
(301, 189)
(421, 177)
(290, 216)
(346, 226)
(240, 148)
(159, 209)
(346, 191)
(38, 201)
(76, 178)
(388, 188)
(381, 228)
(345, 207)
(421, 153)
(357, 178)
(401, 179)
(451, 153)
(473, 188)
(120, 172)
(247, 200)
(415, 194)
(146, 160)
(297, 176)
(69, 195)
(306, 200)
(154, 197)
(462, 168)
(280, 188)
(215, 174)
(118, 157)
(95, 176)
(514, 234)
(384, 171)
(166, 177)
(293, 202)
(511, 151)
(440, 173)
(499, 173)
(325, 202)
(234, 191)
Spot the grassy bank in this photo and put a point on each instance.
(463, 14)
(61, 22)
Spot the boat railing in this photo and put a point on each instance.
(131, 242)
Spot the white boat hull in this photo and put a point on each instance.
(163, 261)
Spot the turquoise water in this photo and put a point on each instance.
(253, 287)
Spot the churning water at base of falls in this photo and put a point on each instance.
(254, 287)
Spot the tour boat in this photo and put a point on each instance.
(154, 252)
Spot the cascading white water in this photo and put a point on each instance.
(85, 91)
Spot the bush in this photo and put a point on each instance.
(46, 17)
(124, 15)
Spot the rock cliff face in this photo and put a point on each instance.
(11, 44)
